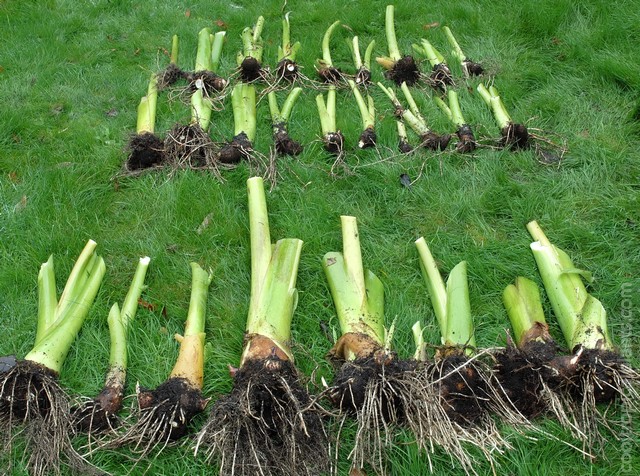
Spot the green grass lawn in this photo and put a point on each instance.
(72, 73)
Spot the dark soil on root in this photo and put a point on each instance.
(433, 141)
(206, 80)
(472, 68)
(463, 390)
(239, 148)
(287, 70)
(405, 70)
(145, 151)
(188, 145)
(176, 402)
(99, 414)
(467, 141)
(363, 77)
(334, 143)
(441, 77)
(170, 76)
(597, 368)
(405, 147)
(266, 422)
(26, 390)
(522, 372)
(349, 388)
(285, 145)
(250, 70)
(515, 136)
(330, 75)
(368, 138)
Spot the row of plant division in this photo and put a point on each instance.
(275, 420)
(204, 87)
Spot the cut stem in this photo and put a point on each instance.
(175, 45)
(457, 51)
(524, 308)
(367, 109)
(216, 50)
(47, 299)
(390, 31)
(203, 54)
(326, 50)
(492, 99)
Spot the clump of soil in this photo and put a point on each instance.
(472, 68)
(524, 374)
(404, 146)
(363, 76)
(266, 425)
(433, 141)
(515, 136)
(208, 81)
(250, 70)
(467, 141)
(287, 70)
(405, 70)
(368, 138)
(188, 146)
(239, 148)
(100, 414)
(32, 400)
(441, 77)
(462, 389)
(330, 75)
(334, 143)
(285, 145)
(352, 385)
(145, 151)
(170, 76)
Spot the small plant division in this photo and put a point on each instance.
(399, 69)
(515, 136)
(31, 399)
(268, 424)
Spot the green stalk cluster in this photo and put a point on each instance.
(287, 51)
(368, 116)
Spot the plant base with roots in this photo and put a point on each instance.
(368, 138)
(100, 414)
(239, 148)
(330, 75)
(208, 81)
(145, 151)
(363, 76)
(163, 415)
(405, 70)
(250, 70)
(32, 400)
(433, 141)
(188, 146)
(266, 425)
(515, 136)
(441, 77)
(334, 143)
(404, 146)
(170, 76)
(471, 68)
(467, 141)
(526, 376)
(285, 145)
(287, 70)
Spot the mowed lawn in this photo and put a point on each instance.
(71, 76)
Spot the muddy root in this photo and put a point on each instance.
(334, 143)
(363, 77)
(250, 70)
(233, 152)
(188, 146)
(170, 76)
(208, 81)
(267, 425)
(471, 68)
(466, 140)
(99, 415)
(515, 136)
(368, 138)
(145, 151)
(284, 144)
(405, 70)
(435, 142)
(287, 70)
(405, 147)
(33, 404)
(441, 77)
(330, 75)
